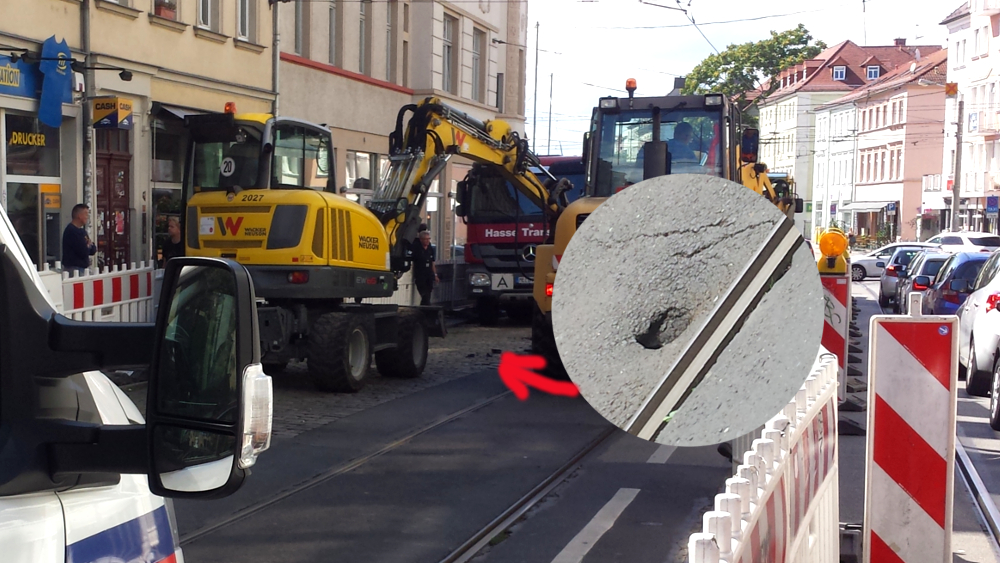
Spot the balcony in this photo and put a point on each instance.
(985, 7)
(984, 123)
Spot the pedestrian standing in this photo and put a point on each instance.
(851, 239)
(173, 247)
(76, 245)
(424, 269)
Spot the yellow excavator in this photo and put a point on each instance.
(260, 190)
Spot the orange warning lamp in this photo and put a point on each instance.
(231, 108)
(832, 243)
(630, 86)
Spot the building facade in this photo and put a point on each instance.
(353, 65)
(875, 187)
(153, 61)
(973, 65)
(788, 114)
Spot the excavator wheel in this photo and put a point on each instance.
(408, 358)
(340, 351)
(543, 342)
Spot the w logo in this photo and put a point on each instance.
(459, 138)
(229, 225)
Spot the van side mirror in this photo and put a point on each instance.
(461, 197)
(208, 408)
(961, 286)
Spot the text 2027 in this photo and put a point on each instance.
(251, 197)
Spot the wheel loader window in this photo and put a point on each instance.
(693, 137)
(224, 164)
(301, 158)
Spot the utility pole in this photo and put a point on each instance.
(275, 54)
(534, 117)
(551, 79)
(88, 96)
(956, 185)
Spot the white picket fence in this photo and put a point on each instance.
(115, 294)
(783, 503)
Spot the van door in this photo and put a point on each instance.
(32, 529)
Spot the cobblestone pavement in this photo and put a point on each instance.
(299, 407)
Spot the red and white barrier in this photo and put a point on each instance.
(114, 294)
(837, 320)
(783, 504)
(912, 399)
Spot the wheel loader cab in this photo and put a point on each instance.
(696, 132)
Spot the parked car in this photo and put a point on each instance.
(979, 331)
(940, 298)
(917, 277)
(897, 263)
(967, 242)
(867, 265)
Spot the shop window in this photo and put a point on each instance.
(32, 147)
(168, 155)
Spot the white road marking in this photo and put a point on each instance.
(579, 546)
(662, 454)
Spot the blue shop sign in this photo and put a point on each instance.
(25, 81)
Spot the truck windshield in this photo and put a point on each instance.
(491, 203)
(692, 138)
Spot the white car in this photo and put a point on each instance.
(966, 241)
(979, 335)
(870, 265)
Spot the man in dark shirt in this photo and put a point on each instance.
(680, 145)
(424, 271)
(76, 246)
(172, 247)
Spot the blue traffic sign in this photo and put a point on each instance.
(992, 204)
(891, 206)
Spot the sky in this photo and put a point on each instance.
(588, 48)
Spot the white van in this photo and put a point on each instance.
(82, 476)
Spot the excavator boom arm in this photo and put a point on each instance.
(420, 152)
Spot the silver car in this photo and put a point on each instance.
(868, 265)
(898, 262)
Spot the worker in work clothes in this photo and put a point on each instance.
(424, 270)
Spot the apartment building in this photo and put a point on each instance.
(788, 117)
(973, 64)
(151, 63)
(353, 65)
(874, 146)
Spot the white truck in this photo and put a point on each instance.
(83, 477)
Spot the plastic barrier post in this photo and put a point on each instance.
(837, 319)
(912, 399)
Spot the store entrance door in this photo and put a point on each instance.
(112, 207)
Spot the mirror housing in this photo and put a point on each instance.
(656, 159)
(586, 148)
(880, 264)
(749, 144)
(961, 286)
(209, 404)
(924, 281)
(461, 197)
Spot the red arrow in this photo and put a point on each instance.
(516, 372)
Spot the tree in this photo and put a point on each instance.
(741, 69)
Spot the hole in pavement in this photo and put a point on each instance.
(664, 328)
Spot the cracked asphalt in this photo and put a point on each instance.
(640, 278)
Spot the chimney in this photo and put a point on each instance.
(901, 42)
(679, 82)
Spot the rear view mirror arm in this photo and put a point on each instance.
(113, 345)
(83, 448)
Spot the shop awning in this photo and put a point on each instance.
(865, 206)
(174, 111)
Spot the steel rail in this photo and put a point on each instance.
(767, 265)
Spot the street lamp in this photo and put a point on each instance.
(77, 66)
